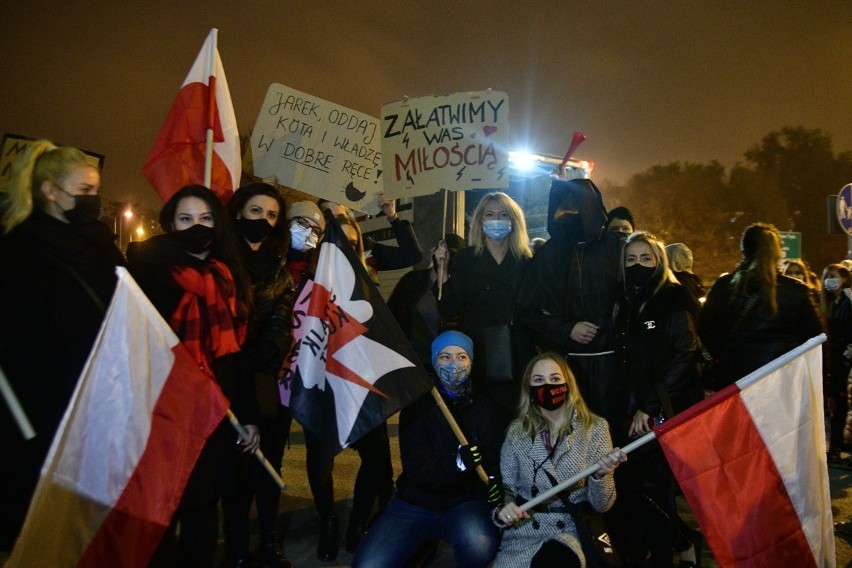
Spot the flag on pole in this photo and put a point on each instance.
(126, 446)
(203, 102)
(350, 367)
(751, 463)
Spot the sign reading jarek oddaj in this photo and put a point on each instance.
(456, 142)
(318, 147)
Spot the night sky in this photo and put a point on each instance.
(647, 82)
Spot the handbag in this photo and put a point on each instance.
(492, 347)
(591, 532)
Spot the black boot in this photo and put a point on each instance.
(269, 554)
(354, 532)
(329, 540)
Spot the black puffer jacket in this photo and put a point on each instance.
(657, 347)
(744, 340)
(428, 447)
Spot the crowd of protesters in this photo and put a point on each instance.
(599, 336)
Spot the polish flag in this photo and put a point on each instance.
(126, 446)
(751, 463)
(203, 102)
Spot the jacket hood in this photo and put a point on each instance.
(576, 211)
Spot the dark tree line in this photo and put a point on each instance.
(784, 180)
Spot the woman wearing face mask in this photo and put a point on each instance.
(837, 293)
(439, 495)
(483, 283)
(755, 314)
(194, 276)
(257, 211)
(57, 276)
(656, 346)
(554, 437)
(306, 225)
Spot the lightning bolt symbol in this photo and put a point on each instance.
(409, 178)
(500, 173)
(459, 173)
(405, 140)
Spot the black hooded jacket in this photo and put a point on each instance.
(575, 276)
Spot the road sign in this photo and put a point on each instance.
(844, 208)
(791, 244)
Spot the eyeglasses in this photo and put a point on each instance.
(304, 223)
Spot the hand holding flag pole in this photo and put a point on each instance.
(456, 430)
(749, 379)
(257, 453)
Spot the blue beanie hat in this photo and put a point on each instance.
(452, 338)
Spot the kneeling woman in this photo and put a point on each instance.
(554, 437)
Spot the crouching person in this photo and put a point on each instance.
(439, 494)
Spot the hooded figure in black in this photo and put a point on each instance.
(568, 293)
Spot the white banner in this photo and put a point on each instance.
(455, 142)
(318, 147)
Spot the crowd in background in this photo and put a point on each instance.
(581, 343)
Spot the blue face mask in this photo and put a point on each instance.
(497, 229)
(452, 376)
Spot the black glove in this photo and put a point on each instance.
(470, 456)
(495, 492)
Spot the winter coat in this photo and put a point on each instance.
(415, 308)
(430, 477)
(757, 336)
(56, 281)
(657, 350)
(521, 463)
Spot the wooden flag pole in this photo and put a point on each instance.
(257, 453)
(27, 430)
(211, 110)
(440, 238)
(456, 430)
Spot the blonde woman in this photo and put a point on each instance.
(57, 274)
(483, 283)
(554, 437)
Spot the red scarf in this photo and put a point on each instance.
(209, 320)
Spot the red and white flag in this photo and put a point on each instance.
(126, 446)
(751, 462)
(203, 102)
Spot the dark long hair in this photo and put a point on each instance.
(280, 233)
(226, 243)
(758, 271)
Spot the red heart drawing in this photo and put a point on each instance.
(489, 130)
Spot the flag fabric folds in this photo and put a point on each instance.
(126, 446)
(351, 367)
(178, 155)
(751, 463)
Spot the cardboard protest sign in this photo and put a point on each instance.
(455, 142)
(318, 147)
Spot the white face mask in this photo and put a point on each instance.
(497, 229)
(302, 238)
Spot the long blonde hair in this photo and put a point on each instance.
(758, 271)
(662, 273)
(518, 242)
(41, 161)
(530, 420)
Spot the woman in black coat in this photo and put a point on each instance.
(483, 284)
(656, 346)
(755, 314)
(194, 277)
(57, 275)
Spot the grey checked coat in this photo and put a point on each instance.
(519, 459)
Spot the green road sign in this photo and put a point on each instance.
(791, 244)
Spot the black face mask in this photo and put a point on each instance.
(254, 230)
(87, 209)
(637, 280)
(549, 397)
(196, 239)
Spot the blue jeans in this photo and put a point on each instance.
(403, 528)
